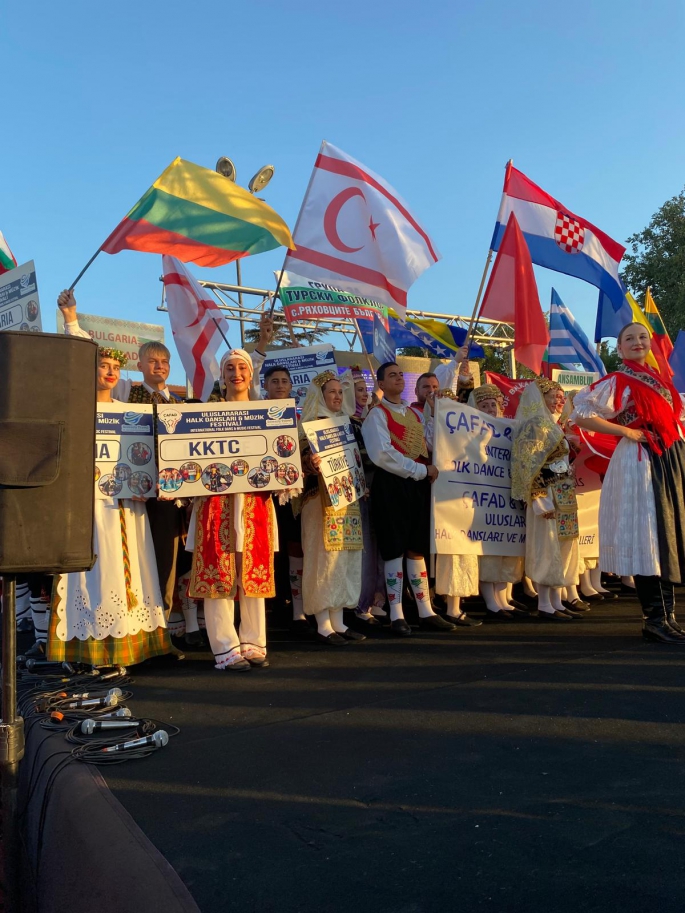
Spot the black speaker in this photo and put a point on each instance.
(47, 446)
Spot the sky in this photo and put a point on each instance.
(435, 97)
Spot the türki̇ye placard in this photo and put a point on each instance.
(341, 463)
(125, 464)
(217, 448)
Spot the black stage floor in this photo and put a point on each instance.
(512, 767)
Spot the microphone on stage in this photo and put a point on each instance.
(81, 697)
(110, 700)
(88, 727)
(115, 673)
(121, 713)
(157, 740)
(40, 666)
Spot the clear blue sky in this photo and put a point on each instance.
(435, 97)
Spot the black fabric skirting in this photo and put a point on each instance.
(668, 481)
(289, 525)
(400, 513)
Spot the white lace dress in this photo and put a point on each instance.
(628, 538)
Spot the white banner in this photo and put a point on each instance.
(473, 512)
(19, 302)
(341, 463)
(126, 335)
(588, 491)
(124, 451)
(213, 448)
(304, 364)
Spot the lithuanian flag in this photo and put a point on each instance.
(661, 341)
(200, 217)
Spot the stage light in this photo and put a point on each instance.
(261, 179)
(226, 167)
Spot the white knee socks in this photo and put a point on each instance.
(337, 622)
(487, 591)
(544, 604)
(418, 579)
(586, 586)
(454, 606)
(501, 595)
(394, 577)
(323, 623)
(40, 613)
(596, 578)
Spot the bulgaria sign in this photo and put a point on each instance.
(124, 451)
(19, 303)
(222, 448)
(473, 511)
(126, 335)
(341, 463)
(307, 299)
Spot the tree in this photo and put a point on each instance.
(656, 258)
(610, 357)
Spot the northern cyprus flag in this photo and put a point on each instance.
(355, 232)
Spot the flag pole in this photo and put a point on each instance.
(476, 307)
(84, 268)
(365, 351)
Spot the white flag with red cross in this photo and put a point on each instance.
(355, 232)
(192, 314)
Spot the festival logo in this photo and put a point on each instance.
(133, 418)
(569, 233)
(170, 418)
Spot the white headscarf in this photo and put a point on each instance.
(314, 405)
(237, 355)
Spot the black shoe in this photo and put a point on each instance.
(554, 616)
(519, 606)
(607, 597)
(502, 615)
(463, 621)
(355, 636)
(439, 603)
(333, 640)
(577, 608)
(37, 651)
(661, 632)
(400, 627)
(300, 626)
(436, 623)
(194, 639)
(259, 662)
(594, 597)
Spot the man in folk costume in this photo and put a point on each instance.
(642, 506)
(234, 537)
(400, 498)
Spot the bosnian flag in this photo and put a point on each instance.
(557, 239)
(192, 314)
(355, 232)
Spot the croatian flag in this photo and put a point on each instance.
(558, 239)
(567, 342)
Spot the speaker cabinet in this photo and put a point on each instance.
(47, 446)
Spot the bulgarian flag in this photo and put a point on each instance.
(199, 216)
(661, 341)
(7, 259)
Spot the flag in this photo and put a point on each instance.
(200, 217)
(512, 296)
(558, 239)
(567, 342)
(510, 389)
(356, 233)
(7, 259)
(192, 312)
(442, 340)
(610, 321)
(677, 362)
(661, 341)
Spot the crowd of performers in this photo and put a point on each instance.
(169, 567)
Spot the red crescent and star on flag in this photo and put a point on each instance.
(330, 220)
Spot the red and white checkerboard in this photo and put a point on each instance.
(569, 233)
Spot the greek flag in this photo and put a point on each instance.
(567, 342)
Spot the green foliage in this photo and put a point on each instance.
(282, 334)
(414, 352)
(609, 356)
(656, 258)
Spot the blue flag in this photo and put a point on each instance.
(677, 362)
(609, 320)
(409, 334)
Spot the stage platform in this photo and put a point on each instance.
(532, 766)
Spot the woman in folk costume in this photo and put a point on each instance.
(372, 599)
(642, 507)
(332, 539)
(233, 538)
(114, 613)
(497, 573)
(541, 476)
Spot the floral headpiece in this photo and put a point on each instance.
(487, 391)
(116, 354)
(322, 379)
(544, 385)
